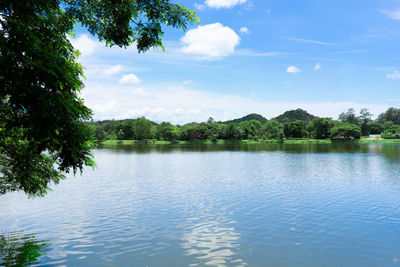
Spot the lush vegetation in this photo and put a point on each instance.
(350, 126)
(293, 115)
(42, 118)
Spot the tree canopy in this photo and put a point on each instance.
(42, 129)
(294, 115)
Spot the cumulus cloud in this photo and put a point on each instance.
(85, 44)
(112, 70)
(394, 14)
(129, 79)
(317, 66)
(394, 76)
(210, 41)
(244, 30)
(292, 69)
(224, 3)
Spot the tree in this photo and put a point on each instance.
(390, 115)
(349, 116)
(365, 117)
(375, 127)
(391, 130)
(210, 120)
(142, 128)
(320, 128)
(124, 130)
(250, 128)
(295, 129)
(167, 131)
(194, 131)
(294, 115)
(42, 129)
(272, 130)
(346, 130)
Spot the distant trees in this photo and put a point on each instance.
(320, 128)
(364, 119)
(167, 131)
(346, 130)
(375, 127)
(390, 115)
(350, 126)
(294, 115)
(142, 129)
(124, 130)
(349, 116)
(272, 130)
(391, 130)
(295, 129)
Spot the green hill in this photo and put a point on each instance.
(293, 115)
(249, 117)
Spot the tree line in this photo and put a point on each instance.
(349, 125)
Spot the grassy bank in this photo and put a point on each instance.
(381, 141)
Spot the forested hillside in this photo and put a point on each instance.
(291, 124)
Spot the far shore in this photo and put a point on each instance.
(224, 142)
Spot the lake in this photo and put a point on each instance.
(234, 205)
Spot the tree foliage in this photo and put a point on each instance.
(272, 130)
(346, 130)
(249, 117)
(295, 129)
(349, 116)
(390, 115)
(320, 128)
(294, 115)
(41, 115)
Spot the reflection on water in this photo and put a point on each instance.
(212, 242)
(19, 249)
(336, 147)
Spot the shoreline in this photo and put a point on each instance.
(248, 142)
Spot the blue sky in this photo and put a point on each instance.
(250, 56)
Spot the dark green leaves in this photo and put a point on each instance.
(42, 119)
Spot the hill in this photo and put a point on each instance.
(252, 116)
(293, 115)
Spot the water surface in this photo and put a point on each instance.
(236, 205)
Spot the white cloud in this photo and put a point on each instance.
(394, 76)
(139, 92)
(129, 79)
(210, 41)
(244, 30)
(85, 44)
(292, 69)
(307, 41)
(395, 14)
(199, 6)
(317, 66)
(224, 3)
(112, 70)
(190, 105)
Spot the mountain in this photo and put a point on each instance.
(293, 115)
(249, 117)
